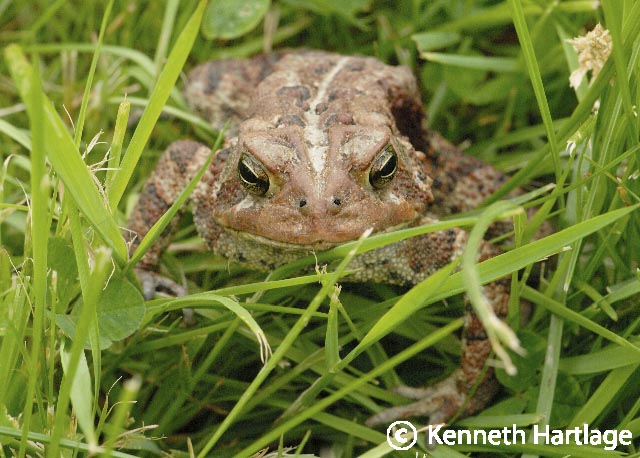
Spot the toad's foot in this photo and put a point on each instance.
(155, 285)
(440, 402)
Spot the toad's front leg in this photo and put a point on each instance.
(469, 388)
(177, 166)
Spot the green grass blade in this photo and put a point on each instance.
(493, 64)
(165, 34)
(506, 263)
(568, 314)
(67, 444)
(166, 81)
(97, 281)
(614, 17)
(600, 400)
(92, 71)
(528, 52)
(408, 304)
(612, 357)
(81, 394)
(323, 403)
(140, 59)
(40, 224)
(287, 342)
(498, 332)
(116, 144)
(121, 413)
(66, 160)
(18, 135)
(240, 312)
(172, 111)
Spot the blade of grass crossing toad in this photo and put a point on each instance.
(408, 304)
(506, 263)
(160, 225)
(166, 81)
(65, 158)
(497, 330)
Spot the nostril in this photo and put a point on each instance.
(335, 207)
(302, 203)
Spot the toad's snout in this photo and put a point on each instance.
(331, 206)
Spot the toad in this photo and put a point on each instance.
(320, 148)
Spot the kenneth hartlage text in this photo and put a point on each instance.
(580, 435)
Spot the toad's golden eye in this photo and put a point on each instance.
(384, 167)
(253, 175)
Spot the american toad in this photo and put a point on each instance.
(321, 148)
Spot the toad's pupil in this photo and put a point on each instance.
(389, 167)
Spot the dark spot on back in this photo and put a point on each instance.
(452, 236)
(214, 75)
(416, 265)
(344, 93)
(321, 107)
(179, 160)
(266, 64)
(301, 93)
(223, 154)
(182, 153)
(154, 205)
(229, 112)
(341, 118)
(152, 190)
(291, 120)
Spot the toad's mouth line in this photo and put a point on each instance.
(320, 245)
